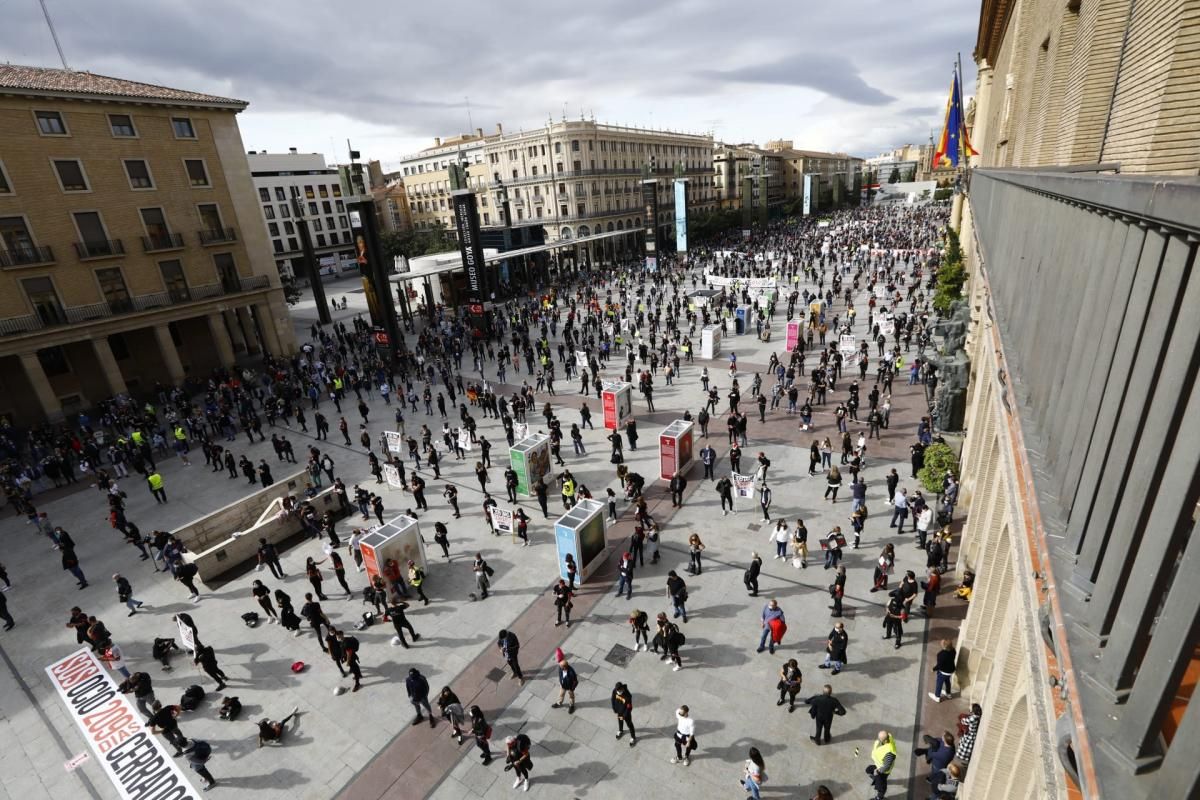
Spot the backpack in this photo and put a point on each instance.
(200, 751)
(191, 698)
(250, 618)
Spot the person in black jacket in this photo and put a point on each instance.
(166, 720)
(517, 758)
(511, 648)
(568, 681)
(143, 692)
(418, 694)
(750, 579)
(822, 708)
(622, 706)
(206, 657)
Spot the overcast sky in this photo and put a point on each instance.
(858, 75)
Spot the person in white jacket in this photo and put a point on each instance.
(781, 537)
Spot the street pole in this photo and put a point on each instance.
(310, 263)
(369, 253)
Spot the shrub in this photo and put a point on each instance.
(938, 459)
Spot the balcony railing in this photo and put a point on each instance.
(217, 236)
(26, 256)
(146, 302)
(100, 248)
(163, 241)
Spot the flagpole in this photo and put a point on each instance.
(962, 110)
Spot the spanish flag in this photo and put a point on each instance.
(954, 132)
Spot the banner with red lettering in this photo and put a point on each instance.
(135, 759)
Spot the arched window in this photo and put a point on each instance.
(584, 230)
(565, 233)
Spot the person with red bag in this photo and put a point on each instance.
(773, 626)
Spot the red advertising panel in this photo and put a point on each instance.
(370, 561)
(610, 409)
(666, 457)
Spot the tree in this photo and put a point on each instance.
(895, 176)
(291, 293)
(951, 276)
(939, 459)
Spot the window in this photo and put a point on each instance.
(317, 224)
(54, 360)
(183, 128)
(50, 123)
(292, 244)
(558, 167)
(289, 228)
(279, 193)
(227, 272)
(174, 280)
(210, 217)
(91, 231)
(312, 209)
(121, 125)
(157, 231)
(339, 206)
(16, 239)
(264, 194)
(277, 244)
(308, 193)
(70, 176)
(284, 211)
(6, 185)
(329, 223)
(533, 169)
(326, 207)
(112, 286)
(558, 147)
(269, 212)
(197, 174)
(580, 209)
(574, 145)
(323, 190)
(320, 240)
(139, 174)
(44, 300)
(342, 223)
(576, 165)
(273, 228)
(563, 209)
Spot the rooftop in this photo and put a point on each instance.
(49, 82)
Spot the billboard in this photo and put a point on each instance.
(466, 220)
(650, 225)
(680, 216)
(808, 190)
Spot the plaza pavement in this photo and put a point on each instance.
(361, 745)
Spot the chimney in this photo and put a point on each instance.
(292, 150)
(479, 133)
(437, 141)
(499, 129)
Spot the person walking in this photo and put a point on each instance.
(517, 759)
(773, 626)
(483, 578)
(198, 754)
(791, 679)
(262, 596)
(416, 577)
(562, 602)
(724, 489)
(339, 572)
(70, 563)
(823, 708)
(677, 591)
(510, 648)
(695, 548)
(685, 736)
(417, 687)
(622, 706)
(835, 649)
(677, 486)
(155, 483)
(781, 537)
(755, 770)
(625, 576)
(899, 509)
(125, 594)
(883, 756)
(334, 648)
(944, 669)
(482, 733)
(833, 482)
(750, 577)
(568, 681)
(314, 576)
(893, 619)
(764, 501)
(269, 555)
(349, 646)
(206, 658)
(708, 457)
(669, 638)
(5, 615)
(311, 611)
(165, 720)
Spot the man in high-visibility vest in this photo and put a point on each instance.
(181, 437)
(568, 490)
(883, 753)
(155, 482)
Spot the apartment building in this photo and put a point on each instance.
(132, 247)
(280, 178)
(426, 177)
(781, 168)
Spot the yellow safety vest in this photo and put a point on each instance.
(179, 433)
(137, 438)
(155, 481)
(568, 489)
(337, 384)
(880, 751)
(415, 577)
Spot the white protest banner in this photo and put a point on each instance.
(391, 474)
(186, 636)
(502, 519)
(881, 293)
(520, 431)
(887, 327)
(743, 489)
(581, 359)
(395, 441)
(464, 440)
(847, 345)
(133, 758)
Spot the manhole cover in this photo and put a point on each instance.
(495, 675)
(754, 526)
(619, 655)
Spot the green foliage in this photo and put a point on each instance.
(895, 176)
(938, 459)
(951, 276)
(942, 194)
(703, 226)
(412, 244)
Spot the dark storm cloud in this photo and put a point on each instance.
(409, 67)
(832, 75)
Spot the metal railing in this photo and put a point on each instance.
(165, 241)
(100, 248)
(26, 256)
(217, 236)
(146, 302)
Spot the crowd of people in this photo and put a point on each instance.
(452, 384)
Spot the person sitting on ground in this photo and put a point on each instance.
(269, 731)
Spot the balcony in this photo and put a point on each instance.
(163, 241)
(100, 248)
(96, 311)
(217, 236)
(27, 256)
